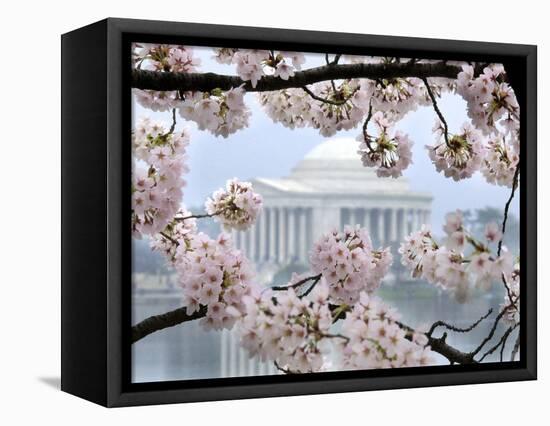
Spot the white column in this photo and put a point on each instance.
(224, 352)
(272, 235)
(324, 219)
(393, 225)
(352, 217)
(252, 242)
(382, 226)
(252, 363)
(291, 242)
(428, 219)
(366, 220)
(414, 220)
(262, 225)
(232, 353)
(302, 240)
(242, 362)
(376, 227)
(403, 224)
(282, 235)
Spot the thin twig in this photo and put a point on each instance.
(457, 329)
(284, 370)
(173, 126)
(500, 342)
(516, 349)
(366, 136)
(311, 287)
(168, 237)
(507, 208)
(198, 216)
(315, 278)
(491, 332)
(328, 101)
(437, 111)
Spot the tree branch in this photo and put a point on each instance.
(507, 208)
(437, 110)
(502, 342)
(439, 345)
(457, 329)
(160, 322)
(205, 82)
(314, 278)
(328, 101)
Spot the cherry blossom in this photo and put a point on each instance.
(491, 101)
(500, 162)
(450, 265)
(289, 330)
(176, 232)
(459, 157)
(301, 325)
(252, 65)
(377, 341)
(390, 152)
(291, 107)
(164, 57)
(213, 274)
(159, 163)
(221, 113)
(237, 206)
(349, 264)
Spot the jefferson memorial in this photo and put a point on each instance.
(328, 189)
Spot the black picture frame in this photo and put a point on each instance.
(95, 192)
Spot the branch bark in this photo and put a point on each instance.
(162, 321)
(205, 82)
(440, 345)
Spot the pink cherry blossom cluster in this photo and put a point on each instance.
(221, 113)
(377, 341)
(449, 266)
(500, 162)
(491, 101)
(237, 206)
(344, 110)
(156, 100)
(179, 231)
(162, 58)
(390, 152)
(252, 65)
(289, 330)
(159, 162)
(459, 157)
(213, 274)
(398, 96)
(342, 107)
(292, 108)
(349, 264)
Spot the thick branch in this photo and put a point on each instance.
(205, 82)
(168, 319)
(440, 345)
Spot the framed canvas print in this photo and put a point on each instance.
(253, 212)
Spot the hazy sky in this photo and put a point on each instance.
(267, 149)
